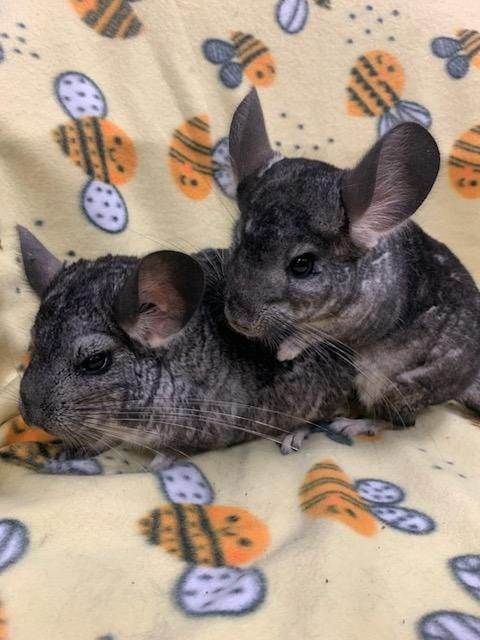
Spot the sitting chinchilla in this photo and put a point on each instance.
(325, 255)
(139, 350)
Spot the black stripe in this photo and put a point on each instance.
(356, 98)
(474, 51)
(325, 465)
(319, 481)
(390, 91)
(64, 139)
(464, 163)
(238, 40)
(84, 147)
(188, 549)
(361, 80)
(211, 535)
(92, 17)
(243, 50)
(455, 163)
(114, 24)
(368, 65)
(249, 59)
(461, 144)
(176, 155)
(199, 124)
(100, 147)
(191, 144)
(310, 503)
(465, 36)
(154, 537)
(133, 28)
(475, 129)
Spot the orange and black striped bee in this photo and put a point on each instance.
(459, 51)
(110, 18)
(375, 90)
(195, 162)
(97, 146)
(464, 164)
(244, 54)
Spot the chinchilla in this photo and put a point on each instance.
(138, 350)
(322, 255)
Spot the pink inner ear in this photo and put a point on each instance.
(165, 318)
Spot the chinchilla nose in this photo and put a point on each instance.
(241, 315)
(30, 407)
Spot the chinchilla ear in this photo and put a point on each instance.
(39, 264)
(390, 182)
(249, 147)
(159, 297)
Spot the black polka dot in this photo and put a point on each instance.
(17, 50)
(201, 484)
(106, 204)
(99, 215)
(235, 591)
(21, 25)
(278, 143)
(71, 253)
(296, 146)
(38, 223)
(198, 496)
(224, 576)
(369, 7)
(352, 16)
(115, 218)
(349, 41)
(331, 140)
(182, 495)
(283, 114)
(193, 182)
(17, 289)
(299, 126)
(380, 20)
(186, 476)
(391, 38)
(81, 94)
(316, 147)
(395, 12)
(233, 518)
(109, 191)
(120, 168)
(244, 542)
(34, 54)
(99, 189)
(18, 259)
(81, 110)
(368, 31)
(205, 576)
(117, 140)
(20, 39)
(5, 35)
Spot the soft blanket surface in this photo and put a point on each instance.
(113, 121)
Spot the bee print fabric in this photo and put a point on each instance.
(114, 124)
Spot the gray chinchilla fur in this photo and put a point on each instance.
(322, 254)
(138, 350)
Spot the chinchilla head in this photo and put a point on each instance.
(98, 337)
(307, 231)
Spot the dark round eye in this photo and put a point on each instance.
(98, 363)
(302, 266)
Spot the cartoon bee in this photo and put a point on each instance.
(328, 493)
(98, 146)
(213, 539)
(459, 52)
(376, 84)
(464, 164)
(110, 18)
(194, 161)
(254, 58)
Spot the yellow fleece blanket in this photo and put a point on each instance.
(113, 117)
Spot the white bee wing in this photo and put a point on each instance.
(104, 206)
(292, 15)
(80, 467)
(13, 541)
(222, 171)
(467, 571)
(220, 590)
(413, 112)
(387, 121)
(79, 95)
(379, 491)
(449, 625)
(403, 519)
(185, 483)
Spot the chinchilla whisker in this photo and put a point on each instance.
(202, 419)
(187, 412)
(224, 403)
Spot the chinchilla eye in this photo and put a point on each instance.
(302, 266)
(97, 363)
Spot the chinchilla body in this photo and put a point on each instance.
(330, 255)
(138, 350)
